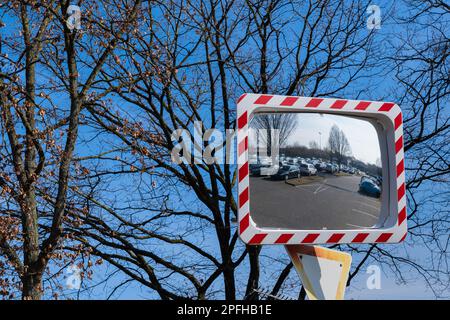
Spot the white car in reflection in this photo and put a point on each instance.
(307, 169)
(263, 169)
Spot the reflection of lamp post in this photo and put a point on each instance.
(320, 137)
(257, 145)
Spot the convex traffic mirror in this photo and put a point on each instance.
(312, 171)
(317, 170)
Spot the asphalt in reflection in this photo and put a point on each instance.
(334, 203)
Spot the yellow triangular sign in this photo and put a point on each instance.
(324, 272)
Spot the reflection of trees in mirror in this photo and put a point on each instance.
(338, 145)
(338, 153)
(285, 123)
(314, 145)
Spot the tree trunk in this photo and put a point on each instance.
(253, 278)
(229, 282)
(32, 278)
(32, 285)
(302, 293)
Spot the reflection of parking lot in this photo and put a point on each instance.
(331, 203)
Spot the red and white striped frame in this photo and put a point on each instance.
(388, 113)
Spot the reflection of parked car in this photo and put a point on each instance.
(320, 166)
(307, 169)
(369, 187)
(348, 169)
(255, 169)
(378, 180)
(286, 172)
(292, 161)
(265, 160)
(259, 169)
(330, 168)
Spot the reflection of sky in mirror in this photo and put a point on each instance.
(361, 134)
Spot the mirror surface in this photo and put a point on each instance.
(313, 171)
